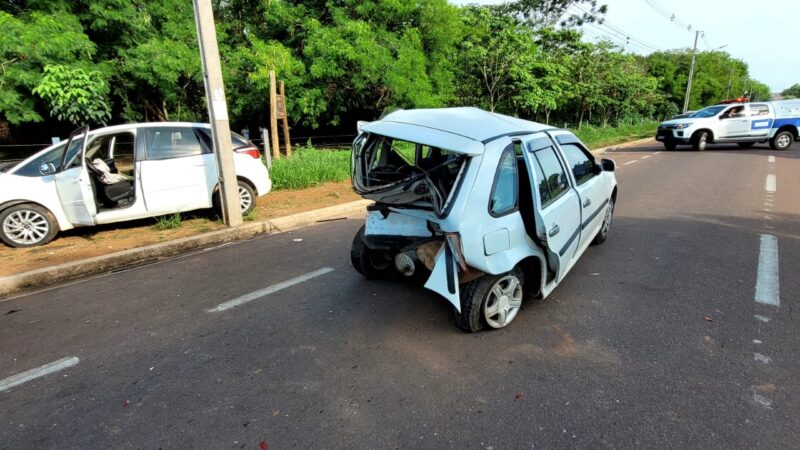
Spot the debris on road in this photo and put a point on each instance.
(708, 319)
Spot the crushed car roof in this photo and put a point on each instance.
(461, 130)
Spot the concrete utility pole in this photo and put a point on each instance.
(691, 72)
(217, 112)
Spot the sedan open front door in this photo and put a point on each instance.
(72, 181)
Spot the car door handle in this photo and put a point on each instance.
(554, 231)
(587, 202)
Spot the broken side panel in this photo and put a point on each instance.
(444, 277)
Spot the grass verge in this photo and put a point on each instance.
(308, 167)
(169, 222)
(596, 137)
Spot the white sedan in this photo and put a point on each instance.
(120, 173)
(478, 204)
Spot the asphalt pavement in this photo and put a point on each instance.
(678, 332)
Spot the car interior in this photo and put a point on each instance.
(110, 162)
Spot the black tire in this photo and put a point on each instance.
(34, 218)
(782, 140)
(370, 263)
(745, 144)
(244, 190)
(602, 235)
(700, 140)
(670, 146)
(474, 296)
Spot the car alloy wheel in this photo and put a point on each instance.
(784, 140)
(503, 302)
(26, 227)
(245, 199)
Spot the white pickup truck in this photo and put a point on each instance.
(742, 123)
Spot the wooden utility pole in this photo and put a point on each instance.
(285, 123)
(217, 112)
(273, 115)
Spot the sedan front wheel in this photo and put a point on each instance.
(27, 225)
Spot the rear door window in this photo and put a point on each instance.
(171, 142)
(552, 177)
(759, 110)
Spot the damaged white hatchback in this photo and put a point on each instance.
(481, 207)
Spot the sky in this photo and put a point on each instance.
(762, 33)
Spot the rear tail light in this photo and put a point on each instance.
(252, 151)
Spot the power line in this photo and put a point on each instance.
(618, 37)
(611, 29)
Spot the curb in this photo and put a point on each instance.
(154, 252)
(602, 150)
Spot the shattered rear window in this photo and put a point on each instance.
(399, 172)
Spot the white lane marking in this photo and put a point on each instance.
(269, 290)
(771, 184)
(756, 341)
(656, 153)
(762, 358)
(629, 162)
(764, 319)
(771, 159)
(768, 280)
(47, 369)
(645, 156)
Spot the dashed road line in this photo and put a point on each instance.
(28, 375)
(255, 295)
(771, 159)
(630, 162)
(771, 184)
(645, 156)
(767, 281)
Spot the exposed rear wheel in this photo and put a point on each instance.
(490, 301)
(782, 140)
(368, 262)
(27, 225)
(247, 198)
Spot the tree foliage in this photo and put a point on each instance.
(92, 61)
(792, 92)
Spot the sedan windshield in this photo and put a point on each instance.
(711, 111)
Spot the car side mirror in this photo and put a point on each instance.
(47, 168)
(608, 165)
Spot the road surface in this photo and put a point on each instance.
(677, 332)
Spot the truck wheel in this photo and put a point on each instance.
(370, 263)
(602, 235)
(27, 225)
(745, 144)
(491, 300)
(782, 140)
(670, 146)
(700, 140)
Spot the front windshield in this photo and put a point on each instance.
(53, 156)
(711, 111)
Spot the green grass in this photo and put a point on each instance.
(309, 167)
(596, 137)
(169, 222)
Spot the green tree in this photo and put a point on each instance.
(75, 95)
(30, 42)
(792, 92)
